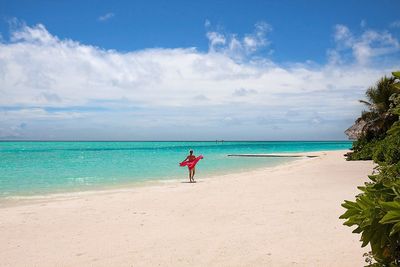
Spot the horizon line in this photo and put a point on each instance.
(220, 140)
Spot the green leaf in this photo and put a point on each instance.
(396, 74)
(366, 237)
(396, 191)
(395, 229)
(358, 230)
(391, 217)
(382, 235)
(366, 222)
(350, 204)
(387, 206)
(361, 188)
(350, 222)
(349, 213)
(362, 204)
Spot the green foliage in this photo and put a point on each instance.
(382, 118)
(387, 151)
(378, 95)
(376, 213)
(396, 74)
(362, 150)
(395, 104)
(376, 210)
(395, 109)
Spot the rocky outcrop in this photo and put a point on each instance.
(356, 130)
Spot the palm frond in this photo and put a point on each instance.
(365, 102)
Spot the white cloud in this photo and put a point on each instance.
(76, 90)
(37, 34)
(106, 16)
(216, 39)
(236, 47)
(370, 44)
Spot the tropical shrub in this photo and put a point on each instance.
(383, 111)
(376, 213)
(387, 151)
(362, 150)
(376, 210)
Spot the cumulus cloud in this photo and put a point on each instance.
(78, 91)
(370, 44)
(238, 47)
(106, 16)
(34, 35)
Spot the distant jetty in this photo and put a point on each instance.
(272, 156)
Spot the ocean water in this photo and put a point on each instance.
(32, 168)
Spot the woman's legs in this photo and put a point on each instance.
(190, 175)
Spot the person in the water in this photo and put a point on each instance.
(191, 161)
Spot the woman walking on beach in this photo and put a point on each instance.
(191, 161)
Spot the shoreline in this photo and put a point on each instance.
(277, 216)
(32, 169)
(126, 187)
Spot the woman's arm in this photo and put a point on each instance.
(185, 159)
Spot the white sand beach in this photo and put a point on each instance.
(281, 216)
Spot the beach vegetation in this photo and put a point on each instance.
(378, 118)
(375, 212)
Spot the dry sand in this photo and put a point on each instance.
(281, 216)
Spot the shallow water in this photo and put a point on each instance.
(30, 168)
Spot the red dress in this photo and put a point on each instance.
(192, 163)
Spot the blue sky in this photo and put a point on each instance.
(151, 70)
(302, 29)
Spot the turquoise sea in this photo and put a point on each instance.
(32, 168)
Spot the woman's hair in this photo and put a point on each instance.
(191, 151)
